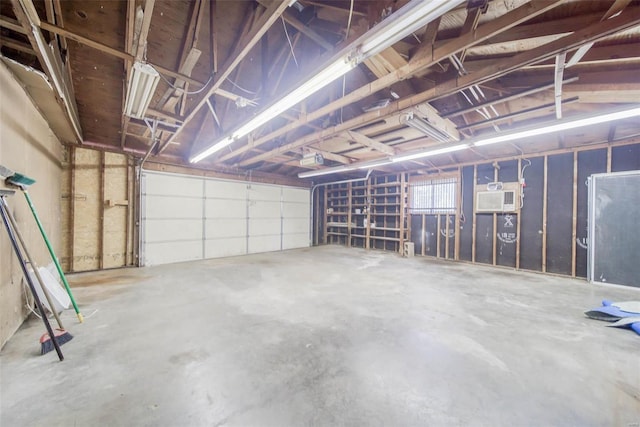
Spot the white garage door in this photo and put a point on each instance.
(187, 218)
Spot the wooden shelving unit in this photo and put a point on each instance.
(388, 212)
(359, 218)
(370, 215)
(337, 214)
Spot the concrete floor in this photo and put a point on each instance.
(327, 336)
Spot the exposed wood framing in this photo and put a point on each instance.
(508, 20)
(473, 226)
(371, 143)
(544, 214)
(113, 52)
(271, 14)
(24, 11)
(574, 215)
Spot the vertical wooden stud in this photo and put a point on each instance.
(519, 214)
(574, 217)
(101, 238)
(456, 250)
(438, 234)
(422, 233)
(544, 216)
(473, 212)
(349, 214)
(608, 159)
(495, 226)
(72, 207)
(446, 241)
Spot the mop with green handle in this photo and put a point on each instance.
(22, 182)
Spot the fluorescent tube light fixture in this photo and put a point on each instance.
(425, 127)
(551, 127)
(142, 85)
(428, 153)
(327, 171)
(408, 19)
(540, 129)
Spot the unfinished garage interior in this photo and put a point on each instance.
(337, 212)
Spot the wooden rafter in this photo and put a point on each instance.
(267, 19)
(595, 32)
(511, 19)
(28, 18)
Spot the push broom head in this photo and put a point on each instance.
(19, 180)
(61, 336)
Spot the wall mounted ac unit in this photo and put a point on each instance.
(503, 200)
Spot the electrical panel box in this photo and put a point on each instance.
(497, 197)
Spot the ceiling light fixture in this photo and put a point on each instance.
(142, 85)
(425, 127)
(327, 171)
(408, 19)
(540, 129)
(551, 127)
(428, 153)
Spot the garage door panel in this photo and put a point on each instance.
(168, 252)
(172, 185)
(264, 226)
(259, 244)
(293, 241)
(262, 209)
(220, 208)
(171, 207)
(226, 189)
(217, 248)
(226, 227)
(297, 225)
(162, 230)
(295, 195)
(265, 192)
(295, 210)
(187, 218)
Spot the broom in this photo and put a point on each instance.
(61, 335)
(22, 182)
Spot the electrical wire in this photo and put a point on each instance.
(522, 178)
(284, 25)
(346, 36)
(250, 92)
(182, 89)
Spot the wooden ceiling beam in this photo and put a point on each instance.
(19, 46)
(371, 143)
(11, 24)
(506, 21)
(113, 52)
(28, 18)
(626, 20)
(271, 14)
(128, 43)
(511, 97)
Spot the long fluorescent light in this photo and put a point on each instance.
(425, 127)
(408, 19)
(327, 171)
(543, 129)
(540, 129)
(428, 153)
(142, 85)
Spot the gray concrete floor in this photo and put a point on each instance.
(327, 336)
